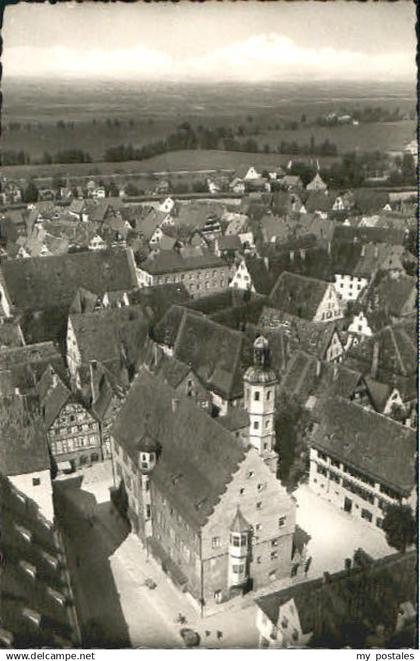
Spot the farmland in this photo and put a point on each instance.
(96, 116)
(199, 161)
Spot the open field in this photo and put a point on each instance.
(179, 162)
(383, 136)
(97, 138)
(106, 115)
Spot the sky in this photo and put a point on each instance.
(213, 41)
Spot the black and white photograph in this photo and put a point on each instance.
(208, 328)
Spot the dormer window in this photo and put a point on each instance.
(23, 532)
(28, 568)
(58, 596)
(50, 559)
(32, 615)
(6, 637)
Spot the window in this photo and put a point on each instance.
(272, 575)
(259, 505)
(261, 486)
(274, 555)
(282, 521)
(256, 424)
(267, 424)
(241, 491)
(238, 569)
(366, 515)
(379, 522)
(215, 543)
(268, 394)
(335, 477)
(36, 481)
(238, 539)
(257, 395)
(322, 455)
(274, 542)
(148, 512)
(259, 560)
(250, 474)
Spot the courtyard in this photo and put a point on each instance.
(110, 570)
(335, 534)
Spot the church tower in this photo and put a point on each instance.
(259, 398)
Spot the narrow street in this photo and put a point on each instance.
(109, 567)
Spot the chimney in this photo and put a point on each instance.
(155, 355)
(175, 403)
(318, 368)
(375, 360)
(93, 370)
(267, 263)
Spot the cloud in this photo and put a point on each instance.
(274, 55)
(264, 56)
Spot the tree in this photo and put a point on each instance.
(290, 427)
(398, 413)
(408, 169)
(399, 526)
(30, 193)
(113, 189)
(131, 190)
(57, 182)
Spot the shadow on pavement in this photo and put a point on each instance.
(92, 533)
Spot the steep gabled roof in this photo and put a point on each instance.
(367, 596)
(368, 441)
(156, 300)
(396, 352)
(298, 294)
(84, 301)
(33, 359)
(218, 355)
(171, 370)
(195, 450)
(395, 294)
(263, 274)
(111, 335)
(312, 337)
(23, 440)
(10, 335)
(166, 331)
(42, 282)
(305, 376)
(172, 262)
